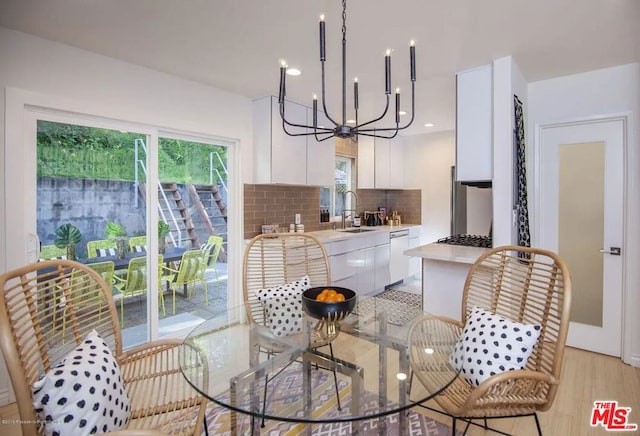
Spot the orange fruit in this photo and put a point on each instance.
(321, 297)
(340, 297)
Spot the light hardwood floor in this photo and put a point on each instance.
(587, 377)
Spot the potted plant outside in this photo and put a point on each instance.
(163, 231)
(67, 236)
(118, 233)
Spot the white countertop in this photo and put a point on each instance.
(446, 252)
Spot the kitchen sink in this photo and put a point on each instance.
(357, 230)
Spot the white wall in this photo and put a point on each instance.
(427, 165)
(87, 83)
(587, 95)
(507, 81)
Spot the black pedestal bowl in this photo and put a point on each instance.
(329, 313)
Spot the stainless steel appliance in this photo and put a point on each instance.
(471, 213)
(399, 263)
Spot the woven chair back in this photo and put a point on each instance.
(530, 286)
(46, 310)
(277, 258)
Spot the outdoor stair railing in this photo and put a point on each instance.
(140, 161)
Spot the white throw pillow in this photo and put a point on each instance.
(491, 344)
(283, 306)
(84, 394)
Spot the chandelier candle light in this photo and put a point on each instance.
(341, 129)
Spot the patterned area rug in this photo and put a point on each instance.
(397, 306)
(218, 418)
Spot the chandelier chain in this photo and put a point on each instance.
(344, 21)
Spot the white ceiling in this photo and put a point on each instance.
(237, 44)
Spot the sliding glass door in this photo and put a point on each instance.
(95, 181)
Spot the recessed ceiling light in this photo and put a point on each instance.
(293, 71)
(402, 112)
(351, 121)
(429, 125)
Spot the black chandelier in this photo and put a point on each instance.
(342, 130)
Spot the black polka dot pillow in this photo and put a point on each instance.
(283, 306)
(84, 394)
(491, 344)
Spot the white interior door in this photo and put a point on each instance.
(581, 202)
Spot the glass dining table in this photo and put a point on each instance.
(224, 359)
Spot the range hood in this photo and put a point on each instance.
(478, 184)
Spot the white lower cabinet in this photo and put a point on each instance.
(381, 266)
(360, 263)
(415, 263)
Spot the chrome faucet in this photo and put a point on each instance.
(344, 211)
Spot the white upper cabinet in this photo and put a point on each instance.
(294, 160)
(474, 124)
(366, 163)
(321, 156)
(380, 163)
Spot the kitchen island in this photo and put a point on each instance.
(444, 271)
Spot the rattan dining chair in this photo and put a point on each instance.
(274, 259)
(36, 347)
(510, 293)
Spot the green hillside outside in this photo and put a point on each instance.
(66, 150)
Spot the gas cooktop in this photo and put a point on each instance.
(467, 240)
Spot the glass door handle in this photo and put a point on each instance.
(614, 251)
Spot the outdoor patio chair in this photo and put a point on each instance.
(189, 273)
(76, 374)
(211, 251)
(138, 244)
(135, 283)
(52, 252)
(101, 248)
(84, 292)
(276, 264)
(510, 342)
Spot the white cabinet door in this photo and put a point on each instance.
(321, 156)
(414, 262)
(294, 160)
(288, 153)
(474, 124)
(366, 162)
(388, 163)
(382, 156)
(396, 164)
(366, 280)
(381, 266)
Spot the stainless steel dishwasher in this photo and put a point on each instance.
(398, 263)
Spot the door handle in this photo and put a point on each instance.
(614, 251)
